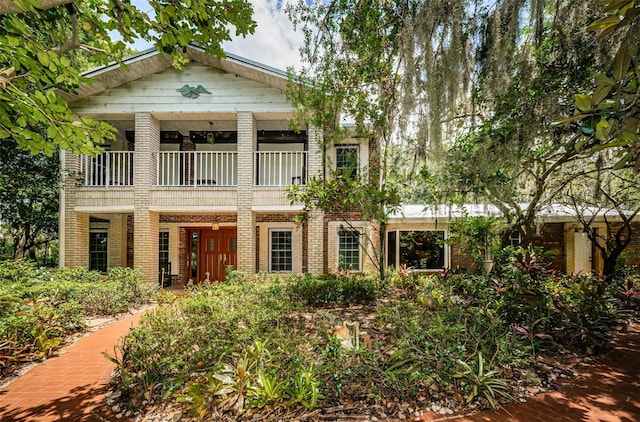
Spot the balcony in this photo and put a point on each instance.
(195, 169)
(113, 168)
(280, 168)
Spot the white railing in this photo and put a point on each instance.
(197, 168)
(280, 168)
(112, 168)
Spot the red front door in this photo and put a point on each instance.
(211, 252)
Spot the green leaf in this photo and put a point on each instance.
(602, 91)
(43, 58)
(621, 63)
(583, 103)
(4, 134)
(604, 23)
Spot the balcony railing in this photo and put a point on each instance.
(112, 168)
(197, 168)
(280, 168)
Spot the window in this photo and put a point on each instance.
(349, 250)
(416, 249)
(163, 250)
(514, 238)
(347, 160)
(281, 250)
(98, 250)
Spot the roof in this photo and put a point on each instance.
(552, 212)
(152, 61)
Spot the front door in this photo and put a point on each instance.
(211, 252)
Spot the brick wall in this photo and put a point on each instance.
(553, 239)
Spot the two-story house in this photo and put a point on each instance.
(196, 179)
(196, 182)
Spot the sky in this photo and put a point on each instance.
(274, 42)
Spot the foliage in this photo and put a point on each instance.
(29, 192)
(349, 72)
(608, 116)
(41, 39)
(332, 289)
(476, 237)
(41, 307)
(480, 381)
(248, 349)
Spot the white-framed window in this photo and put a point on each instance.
(280, 250)
(417, 249)
(98, 245)
(349, 250)
(347, 159)
(514, 238)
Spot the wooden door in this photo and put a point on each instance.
(217, 251)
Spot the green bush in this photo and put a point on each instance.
(332, 289)
(39, 307)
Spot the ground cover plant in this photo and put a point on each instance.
(39, 308)
(293, 347)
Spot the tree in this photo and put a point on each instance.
(350, 70)
(29, 191)
(38, 41)
(514, 157)
(611, 198)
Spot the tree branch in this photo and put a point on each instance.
(8, 6)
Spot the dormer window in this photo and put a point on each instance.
(347, 160)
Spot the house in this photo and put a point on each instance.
(196, 180)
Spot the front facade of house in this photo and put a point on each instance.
(196, 180)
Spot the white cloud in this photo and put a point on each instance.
(274, 42)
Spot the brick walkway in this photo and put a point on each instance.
(607, 390)
(69, 387)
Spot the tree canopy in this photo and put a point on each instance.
(39, 39)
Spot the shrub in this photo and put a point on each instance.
(331, 289)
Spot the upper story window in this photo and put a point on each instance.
(347, 159)
(349, 250)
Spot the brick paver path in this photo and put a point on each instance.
(607, 390)
(69, 387)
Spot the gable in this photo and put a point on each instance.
(160, 92)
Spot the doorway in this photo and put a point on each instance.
(583, 254)
(211, 252)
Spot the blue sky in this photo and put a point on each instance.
(274, 42)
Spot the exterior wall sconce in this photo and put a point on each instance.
(215, 224)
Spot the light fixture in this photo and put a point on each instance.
(211, 139)
(215, 224)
